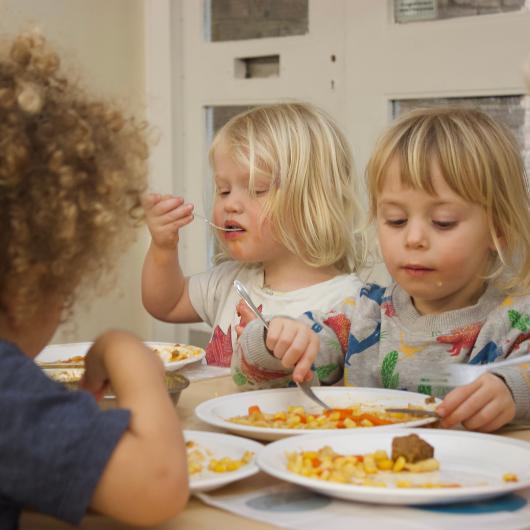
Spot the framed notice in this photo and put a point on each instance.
(415, 10)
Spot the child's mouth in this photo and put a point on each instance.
(233, 227)
(417, 270)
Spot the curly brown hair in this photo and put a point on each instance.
(72, 171)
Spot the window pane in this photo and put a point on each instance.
(255, 19)
(512, 111)
(418, 10)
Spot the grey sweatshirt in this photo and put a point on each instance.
(376, 338)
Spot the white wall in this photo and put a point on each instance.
(103, 42)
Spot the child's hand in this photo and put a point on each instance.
(165, 216)
(295, 344)
(484, 405)
(245, 314)
(96, 378)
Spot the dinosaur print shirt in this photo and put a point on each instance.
(376, 338)
(213, 296)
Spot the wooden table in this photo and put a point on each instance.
(197, 515)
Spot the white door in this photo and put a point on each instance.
(353, 62)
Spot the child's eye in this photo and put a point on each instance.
(444, 225)
(222, 192)
(396, 223)
(262, 191)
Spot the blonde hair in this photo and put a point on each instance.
(312, 203)
(72, 171)
(480, 161)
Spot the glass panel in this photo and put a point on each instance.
(419, 10)
(513, 111)
(255, 19)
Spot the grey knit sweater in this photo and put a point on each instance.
(376, 338)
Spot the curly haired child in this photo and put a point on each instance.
(285, 186)
(449, 196)
(72, 171)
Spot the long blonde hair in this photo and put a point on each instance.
(480, 161)
(312, 204)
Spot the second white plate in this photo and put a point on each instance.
(217, 411)
(219, 445)
(476, 461)
(61, 352)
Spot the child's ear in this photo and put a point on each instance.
(499, 239)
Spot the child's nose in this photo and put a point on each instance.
(234, 202)
(416, 235)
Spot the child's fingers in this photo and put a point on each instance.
(158, 205)
(150, 199)
(301, 347)
(245, 313)
(95, 386)
(485, 414)
(452, 408)
(280, 336)
(505, 416)
(302, 369)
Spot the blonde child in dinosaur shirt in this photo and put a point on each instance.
(449, 197)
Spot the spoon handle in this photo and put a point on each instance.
(242, 291)
(305, 387)
(206, 220)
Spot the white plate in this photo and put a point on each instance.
(217, 411)
(477, 461)
(59, 352)
(220, 445)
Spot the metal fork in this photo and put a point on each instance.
(462, 374)
(305, 386)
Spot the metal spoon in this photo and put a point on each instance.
(414, 412)
(206, 220)
(305, 386)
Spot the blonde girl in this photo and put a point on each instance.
(449, 197)
(285, 188)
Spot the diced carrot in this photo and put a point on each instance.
(373, 419)
(254, 409)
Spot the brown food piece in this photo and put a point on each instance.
(412, 447)
(430, 399)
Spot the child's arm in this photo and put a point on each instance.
(145, 481)
(484, 405)
(164, 286)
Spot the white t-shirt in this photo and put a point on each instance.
(215, 300)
